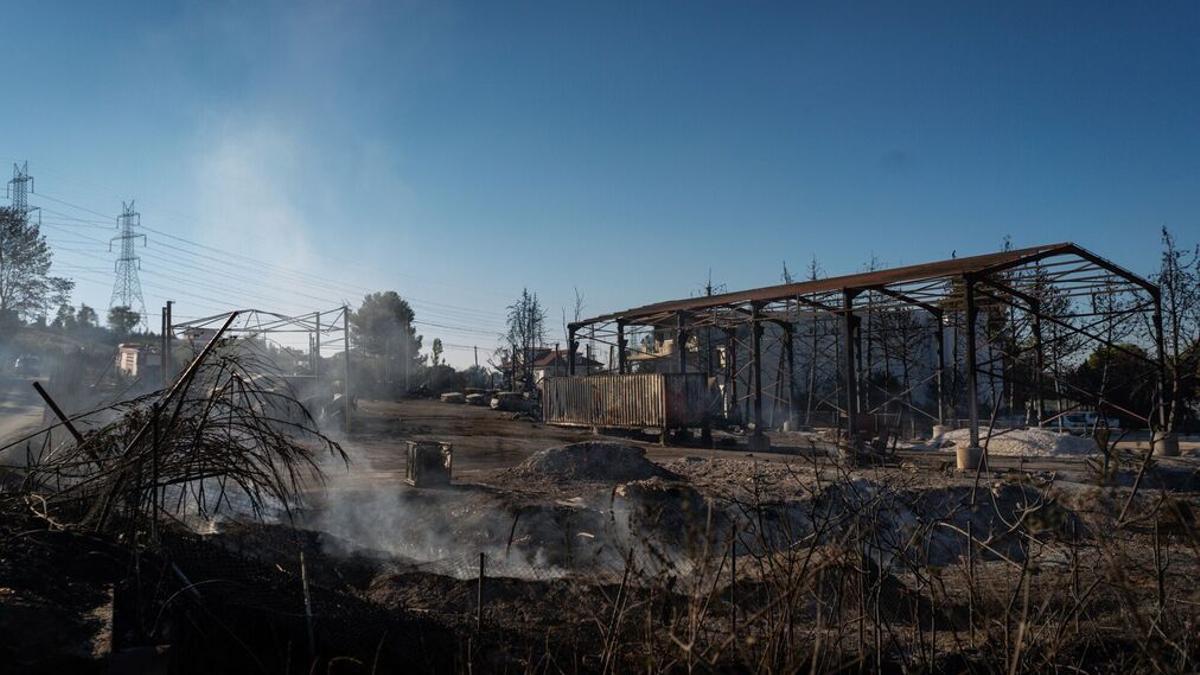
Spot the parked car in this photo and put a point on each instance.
(510, 401)
(1086, 422)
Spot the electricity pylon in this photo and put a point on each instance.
(127, 289)
(18, 191)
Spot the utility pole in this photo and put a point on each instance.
(170, 318)
(316, 368)
(18, 191)
(127, 288)
(346, 404)
(708, 291)
(165, 344)
(407, 356)
(162, 345)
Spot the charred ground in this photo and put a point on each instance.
(662, 559)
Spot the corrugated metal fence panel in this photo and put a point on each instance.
(633, 400)
(687, 399)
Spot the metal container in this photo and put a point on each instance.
(631, 401)
(429, 463)
(967, 458)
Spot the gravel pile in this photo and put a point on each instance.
(1026, 442)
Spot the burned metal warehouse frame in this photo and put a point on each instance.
(1014, 319)
(320, 327)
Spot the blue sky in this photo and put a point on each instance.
(457, 152)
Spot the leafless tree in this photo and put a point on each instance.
(576, 315)
(1179, 282)
(526, 333)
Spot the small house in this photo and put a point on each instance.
(554, 362)
(137, 360)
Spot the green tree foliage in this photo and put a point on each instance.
(442, 378)
(1123, 378)
(65, 318)
(476, 376)
(437, 351)
(27, 289)
(86, 317)
(383, 325)
(122, 320)
(382, 333)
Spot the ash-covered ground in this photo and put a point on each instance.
(612, 555)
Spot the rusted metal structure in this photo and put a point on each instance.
(1010, 322)
(429, 463)
(327, 327)
(633, 401)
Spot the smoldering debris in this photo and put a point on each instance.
(588, 554)
(112, 511)
(226, 436)
(556, 515)
(601, 461)
(778, 552)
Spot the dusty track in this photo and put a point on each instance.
(20, 408)
(485, 440)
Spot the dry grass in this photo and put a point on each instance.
(1007, 577)
(230, 435)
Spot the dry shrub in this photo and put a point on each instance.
(231, 435)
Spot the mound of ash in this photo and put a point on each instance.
(1026, 442)
(592, 461)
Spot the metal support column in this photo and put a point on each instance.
(863, 390)
(572, 350)
(848, 329)
(972, 363)
(681, 341)
(758, 441)
(940, 336)
(1039, 364)
(317, 349)
(622, 364)
(731, 368)
(789, 353)
(708, 350)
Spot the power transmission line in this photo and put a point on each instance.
(452, 314)
(465, 330)
(18, 191)
(127, 288)
(282, 269)
(448, 315)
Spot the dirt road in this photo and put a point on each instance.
(20, 408)
(482, 438)
(485, 440)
